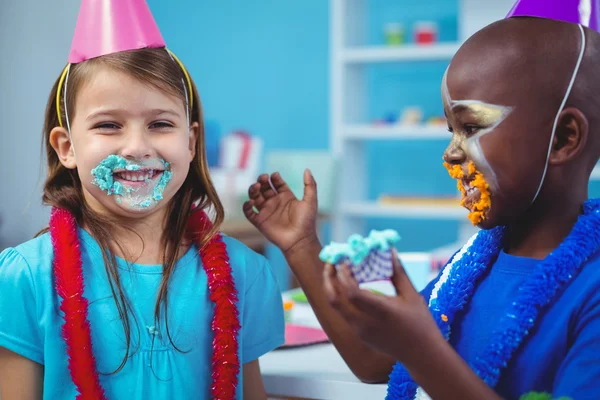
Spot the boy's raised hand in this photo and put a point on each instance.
(290, 224)
(282, 218)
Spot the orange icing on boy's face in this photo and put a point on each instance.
(475, 191)
(469, 120)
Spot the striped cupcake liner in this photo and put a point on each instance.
(376, 266)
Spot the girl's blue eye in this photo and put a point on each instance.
(107, 126)
(161, 125)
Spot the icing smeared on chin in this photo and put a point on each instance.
(475, 191)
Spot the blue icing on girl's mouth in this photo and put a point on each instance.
(117, 188)
(104, 179)
(160, 188)
(145, 203)
(103, 174)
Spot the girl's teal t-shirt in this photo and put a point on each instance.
(30, 320)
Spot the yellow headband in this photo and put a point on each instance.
(64, 74)
(187, 78)
(58, 91)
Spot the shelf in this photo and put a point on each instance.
(411, 210)
(409, 52)
(396, 132)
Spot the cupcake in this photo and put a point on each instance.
(369, 258)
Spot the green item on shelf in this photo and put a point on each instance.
(394, 34)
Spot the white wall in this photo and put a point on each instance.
(476, 14)
(35, 38)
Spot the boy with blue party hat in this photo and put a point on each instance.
(516, 311)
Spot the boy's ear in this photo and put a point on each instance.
(60, 141)
(194, 130)
(570, 137)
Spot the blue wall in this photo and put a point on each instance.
(264, 66)
(261, 66)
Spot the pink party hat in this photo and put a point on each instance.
(110, 26)
(584, 12)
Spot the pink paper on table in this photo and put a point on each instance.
(300, 335)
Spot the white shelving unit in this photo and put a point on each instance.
(394, 132)
(374, 209)
(380, 54)
(350, 57)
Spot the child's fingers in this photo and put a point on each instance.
(350, 290)
(310, 188)
(267, 189)
(336, 293)
(329, 285)
(400, 279)
(364, 309)
(347, 280)
(249, 212)
(361, 299)
(366, 302)
(279, 184)
(256, 196)
(374, 305)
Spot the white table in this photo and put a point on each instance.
(317, 371)
(314, 372)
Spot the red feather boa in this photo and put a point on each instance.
(76, 328)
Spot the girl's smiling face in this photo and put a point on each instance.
(131, 143)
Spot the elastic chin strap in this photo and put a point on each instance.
(562, 106)
(67, 113)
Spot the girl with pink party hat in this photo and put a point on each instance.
(132, 292)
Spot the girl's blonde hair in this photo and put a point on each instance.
(62, 188)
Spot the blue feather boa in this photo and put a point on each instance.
(548, 278)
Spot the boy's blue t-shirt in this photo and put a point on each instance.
(561, 354)
(30, 320)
